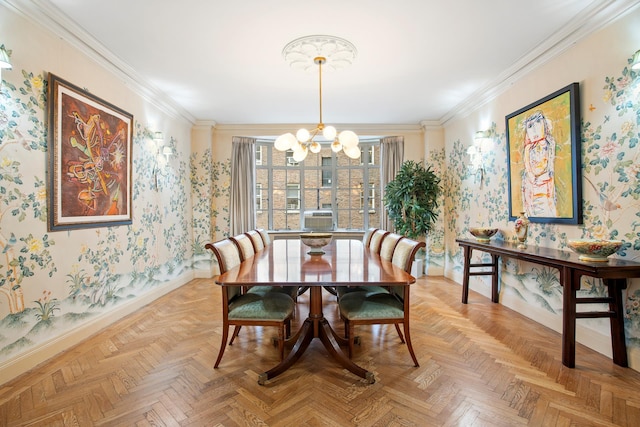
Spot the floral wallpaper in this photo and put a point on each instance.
(209, 188)
(611, 205)
(51, 283)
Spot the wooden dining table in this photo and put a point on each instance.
(286, 262)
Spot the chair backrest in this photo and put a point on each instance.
(265, 236)
(256, 239)
(403, 256)
(376, 240)
(366, 238)
(228, 256)
(388, 245)
(245, 246)
(405, 252)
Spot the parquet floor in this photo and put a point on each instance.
(481, 365)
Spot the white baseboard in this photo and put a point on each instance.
(41, 353)
(205, 274)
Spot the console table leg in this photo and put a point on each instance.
(495, 295)
(465, 277)
(567, 278)
(614, 288)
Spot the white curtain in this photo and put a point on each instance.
(391, 157)
(241, 207)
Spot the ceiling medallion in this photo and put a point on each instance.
(301, 53)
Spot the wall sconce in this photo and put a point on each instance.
(481, 146)
(167, 151)
(158, 137)
(5, 63)
(160, 163)
(635, 62)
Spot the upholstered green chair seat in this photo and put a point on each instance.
(292, 291)
(343, 290)
(366, 305)
(255, 306)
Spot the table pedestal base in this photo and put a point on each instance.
(316, 326)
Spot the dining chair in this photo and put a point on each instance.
(366, 308)
(265, 236)
(245, 246)
(376, 240)
(250, 309)
(377, 237)
(388, 245)
(256, 239)
(366, 238)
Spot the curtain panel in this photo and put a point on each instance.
(391, 157)
(242, 204)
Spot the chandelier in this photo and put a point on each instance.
(335, 53)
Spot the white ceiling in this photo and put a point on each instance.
(220, 60)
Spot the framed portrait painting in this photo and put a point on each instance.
(543, 156)
(89, 175)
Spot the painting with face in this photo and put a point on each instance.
(543, 156)
(538, 187)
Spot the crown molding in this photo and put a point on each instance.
(45, 15)
(590, 20)
(360, 129)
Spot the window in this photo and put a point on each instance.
(293, 196)
(348, 188)
(259, 205)
(370, 201)
(259, 150)
(290, 160)
(369, 156)
(327, 173)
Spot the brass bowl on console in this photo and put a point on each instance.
(316, 241)
(594, 250)
(483, 234)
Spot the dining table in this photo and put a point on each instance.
(287, 262)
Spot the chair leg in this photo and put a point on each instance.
(281, 342)
(399, 333)
(236, 331)
(409, 345)
(223, 345)
(351, 336)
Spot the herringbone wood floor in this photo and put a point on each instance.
(481, 364)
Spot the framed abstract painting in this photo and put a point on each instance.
(89, 174)
(543, 156)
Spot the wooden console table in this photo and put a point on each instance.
(613, 273)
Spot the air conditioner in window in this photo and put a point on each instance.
(318, 221)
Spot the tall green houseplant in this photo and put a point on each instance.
(411, 199)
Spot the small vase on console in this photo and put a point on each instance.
(522, 230)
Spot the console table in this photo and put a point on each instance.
(613, 273)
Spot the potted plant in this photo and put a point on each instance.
(411, 200)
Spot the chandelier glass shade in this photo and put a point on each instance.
(305, 141)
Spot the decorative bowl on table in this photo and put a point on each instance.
(594, 250)
(316, 241)
(483, 234)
